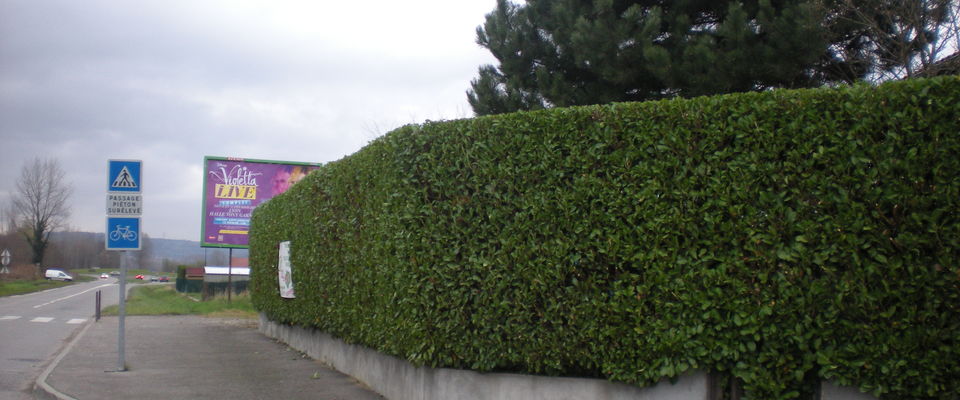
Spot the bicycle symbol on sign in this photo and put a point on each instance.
(123, 233)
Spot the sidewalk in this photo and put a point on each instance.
(189, 357)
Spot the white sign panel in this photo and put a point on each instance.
(123, 204)
(5, 260)
(285, 271)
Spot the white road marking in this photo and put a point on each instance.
(72, 321)
(72, 295)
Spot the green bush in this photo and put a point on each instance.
(782, 237)
(181, 277)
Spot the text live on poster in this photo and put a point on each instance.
(234, 187)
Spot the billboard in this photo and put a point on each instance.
(233, 187)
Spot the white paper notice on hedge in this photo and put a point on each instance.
(286, 272)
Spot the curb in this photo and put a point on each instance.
(41, 385)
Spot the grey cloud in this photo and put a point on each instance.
(171, 81)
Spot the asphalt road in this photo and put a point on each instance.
(35, 326)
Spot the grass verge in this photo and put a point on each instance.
(20, 287)
(164, 300)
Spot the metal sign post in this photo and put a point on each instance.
(124, 207)
(121, 334)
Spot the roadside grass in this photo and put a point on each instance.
(21, 285)
(10, 288)
(164, 300)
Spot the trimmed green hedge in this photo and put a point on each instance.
(784, 237)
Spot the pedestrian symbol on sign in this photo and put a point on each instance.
(124, 180)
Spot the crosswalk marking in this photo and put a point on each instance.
(71, 321)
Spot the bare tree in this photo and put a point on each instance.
(108, 259)
(146, 252)
(73, 249)
(87, 251)
(8, 219)
(40, 203)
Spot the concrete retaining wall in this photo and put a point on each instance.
(397, 379)
(829, 391)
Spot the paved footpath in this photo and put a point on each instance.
(189, 357)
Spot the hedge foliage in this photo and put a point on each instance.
(783, 237)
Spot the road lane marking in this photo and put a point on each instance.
(72, 295)
(72, 321)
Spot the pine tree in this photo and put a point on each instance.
(576, 52)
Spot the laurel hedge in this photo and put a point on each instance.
(783, 238)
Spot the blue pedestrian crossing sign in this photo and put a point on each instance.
(124, 185)
(124, 176)
(123, 233)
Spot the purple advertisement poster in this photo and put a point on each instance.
(233, 187)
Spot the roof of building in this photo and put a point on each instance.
(215, 270)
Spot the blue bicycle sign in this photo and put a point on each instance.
(123, 233)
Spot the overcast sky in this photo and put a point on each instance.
(171, 81)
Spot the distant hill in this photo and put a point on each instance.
(188, 251)
(173, 250)
(184, 251)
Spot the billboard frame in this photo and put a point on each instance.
(205, 201)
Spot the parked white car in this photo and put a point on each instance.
(58, 275)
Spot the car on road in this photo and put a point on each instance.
(154, 278)
(114, 273)
(140, 277)
(164, 279)
(104, 276)
(58, 275)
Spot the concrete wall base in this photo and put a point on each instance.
(397, 379)
(830, 391)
